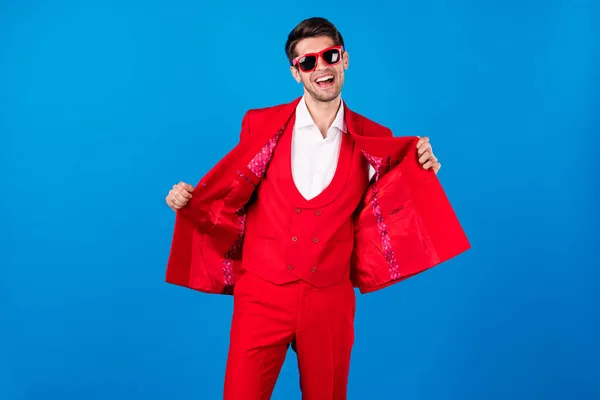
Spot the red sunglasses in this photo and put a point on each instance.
(308, 62)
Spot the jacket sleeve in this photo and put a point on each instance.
(245, 132)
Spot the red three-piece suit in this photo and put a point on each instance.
(292, 264)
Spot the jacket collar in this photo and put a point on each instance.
(353, 121)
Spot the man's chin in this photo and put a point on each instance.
(325, 96)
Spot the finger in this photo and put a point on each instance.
(434, 165)
(179, 197)
(424, 148)
(185, 186)
(185, 193)
(177, 202)
(425, 157)
(422, 140)
(169, 197)
(176, 196)
(428, 164)
(169, 201)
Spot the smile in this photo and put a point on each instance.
(325, 80)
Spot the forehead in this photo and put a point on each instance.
(313, 44)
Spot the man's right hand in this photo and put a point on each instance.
(179, 195)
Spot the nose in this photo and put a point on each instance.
(321, 64)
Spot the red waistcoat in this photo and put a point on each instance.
(288, 237)
(403, 226)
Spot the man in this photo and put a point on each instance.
(287, 222)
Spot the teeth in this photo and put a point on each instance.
(324, 78)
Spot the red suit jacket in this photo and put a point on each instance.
(403, 226)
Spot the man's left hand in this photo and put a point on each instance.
(426, 157)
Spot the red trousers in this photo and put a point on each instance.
(268, 317)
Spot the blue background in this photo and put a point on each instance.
(104, 105)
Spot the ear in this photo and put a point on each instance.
(346, 60)
(295, 73)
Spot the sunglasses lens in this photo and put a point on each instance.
(307, 63)
(332, 56)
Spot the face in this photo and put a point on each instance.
(315, 83)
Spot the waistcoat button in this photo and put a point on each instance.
(294, 239)
(298, 211)
(318, 213)
(316, 240)
(290, 267)
(313, 269)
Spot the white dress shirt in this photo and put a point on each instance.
(314, 158)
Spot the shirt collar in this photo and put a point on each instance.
(304, 119)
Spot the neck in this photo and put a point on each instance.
(323, 113)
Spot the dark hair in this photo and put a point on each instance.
(308, 28)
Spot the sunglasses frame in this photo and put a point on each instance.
(318, 56)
